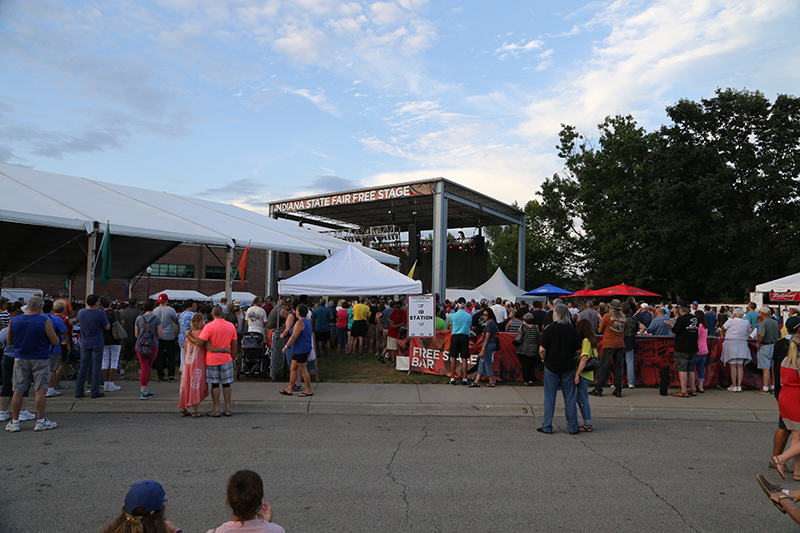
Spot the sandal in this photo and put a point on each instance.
(586, 428)
(226, 412)
(305, 394)
(473, 385)
(213, 414)
(185, 412)
(282, 391)
(680, 394)
(197, 415)
(779, 466)
(488, 384)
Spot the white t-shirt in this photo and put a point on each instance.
(256, 318)
(500, 313)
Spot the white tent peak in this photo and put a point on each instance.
(790, 283)
(349, 272)
(500, 285)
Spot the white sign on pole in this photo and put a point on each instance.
(421, 316)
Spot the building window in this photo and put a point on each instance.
(218, 272)
(172, 271)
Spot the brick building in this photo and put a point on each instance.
(186, 267)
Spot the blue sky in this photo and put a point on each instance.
(247, 101)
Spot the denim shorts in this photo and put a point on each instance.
(765, 352)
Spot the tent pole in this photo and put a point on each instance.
(90, 263)
(271, 274)
(228, 272)
(439, 267)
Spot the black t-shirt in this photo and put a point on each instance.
(478, 322)
(561, 343)
(685, 330)
(373, 312)
(538, 318)
(631, 329)
(548, 318)
(778, 355)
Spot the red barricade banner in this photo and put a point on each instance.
(432, 356)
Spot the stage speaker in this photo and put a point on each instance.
(478, 244)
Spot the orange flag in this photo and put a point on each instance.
(243, 263)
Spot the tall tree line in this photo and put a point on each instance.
(703, 208)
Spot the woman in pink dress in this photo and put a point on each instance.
(789, 404)
(194, 388)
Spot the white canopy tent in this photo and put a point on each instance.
(349, 272)
(467, 294)
(244, 297)
(45, 219)
(786, 284)
(500, 285)
(177, 294)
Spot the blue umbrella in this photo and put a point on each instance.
(548, 290)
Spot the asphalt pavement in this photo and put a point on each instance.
(369, 458)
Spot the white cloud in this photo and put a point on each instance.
(515, 49)
(318, 99)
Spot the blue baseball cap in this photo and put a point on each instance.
(792, 323)
(147, 494)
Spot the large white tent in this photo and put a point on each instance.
(500, 285)
(45, 219)
(789, 283)
(178, 294)
(244, 297)
(349, 272)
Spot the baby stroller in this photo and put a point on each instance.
(254, 358)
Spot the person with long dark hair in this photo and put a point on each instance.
(488, 348)
(245, 495)
(584, 379)
(301, 343)
(143, 511)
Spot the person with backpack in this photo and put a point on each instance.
(147, 330)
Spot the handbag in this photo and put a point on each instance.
(118, 331)
(593, 363)
(518, 337)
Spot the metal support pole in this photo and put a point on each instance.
(439, 267)
(90, 264)
(271, 285)
(228, 273)
(521, 255)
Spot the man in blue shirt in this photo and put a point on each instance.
(321, 318)
(93, 321)
(32, 335)
(460, 325)
(661, 324)
(711, 320)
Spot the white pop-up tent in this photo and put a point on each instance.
(500, 285)
(244, 297)
(177, 294)
(349, 272)
(789, 283)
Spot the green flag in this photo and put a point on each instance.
(105, 252)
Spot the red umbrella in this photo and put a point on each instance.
(622, 290)
(583, 293)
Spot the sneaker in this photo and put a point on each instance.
(172, 379)
(145, 395)
(731, 389)
(51, 393)
(44, 425)
(465, 382)
(738, 389)
(618, 392)
(765, 390)
(24, 416)
(122, 374)
(105, 387)
(112, 387)
(596, 392)
(4, 416)
(61, 386)
(631, 386)
(452, 381)
(13, 426)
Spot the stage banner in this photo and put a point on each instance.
(650, 354)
